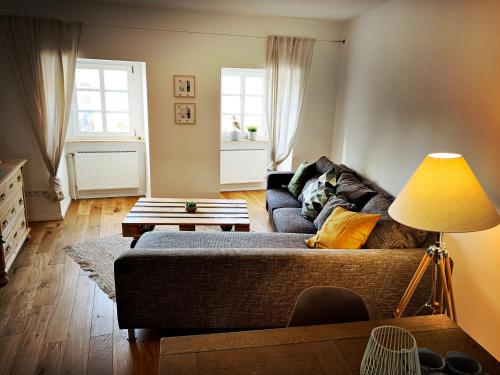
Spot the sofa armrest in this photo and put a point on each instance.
(253, 288)
(275, 180)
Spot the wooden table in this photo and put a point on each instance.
(327, 349)
(148, 212)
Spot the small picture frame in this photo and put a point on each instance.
(184, 86)
(185, 113)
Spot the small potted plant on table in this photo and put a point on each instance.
(252, 133)
(191, 206)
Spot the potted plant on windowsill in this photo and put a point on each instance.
(235, 134)
(252, 133)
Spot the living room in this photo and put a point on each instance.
(387, 83)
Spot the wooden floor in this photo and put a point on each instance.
(55, 320)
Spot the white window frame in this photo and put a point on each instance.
(243, 73)
(135, 99)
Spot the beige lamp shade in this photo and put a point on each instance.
(443, 195)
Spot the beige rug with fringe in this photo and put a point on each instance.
(97, 257)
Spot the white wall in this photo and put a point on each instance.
(184, 160)
(424, 76)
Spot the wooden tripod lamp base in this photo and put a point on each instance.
(441, 270)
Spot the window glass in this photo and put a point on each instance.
(231, 84)
(115, 80)
(242, 95)
(118, 122)
(103, 103)
(87, 79)
(88, 100)
(253, 104)
(90, 122)
(116, 101)
(231, 104)
(254, 86)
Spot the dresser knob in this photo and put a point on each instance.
(11, 186)
(2, 196)
(7, 249)
(20, 201)
(19, 178)
(13, 210)
(5, 222)
(23, 224)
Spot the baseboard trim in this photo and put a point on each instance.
(243, 187)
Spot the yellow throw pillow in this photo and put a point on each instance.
(344, 230)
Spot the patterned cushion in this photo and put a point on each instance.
(333, 202)
(357, 193)
(312, 181)
(290, 220)
(316, 196)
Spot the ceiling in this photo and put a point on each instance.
(320, 9)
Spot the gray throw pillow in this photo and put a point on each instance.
(388, 233)
(316, 196)
(333, 202)
(355, 192)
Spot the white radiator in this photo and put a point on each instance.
(242, 166)
(106, 170)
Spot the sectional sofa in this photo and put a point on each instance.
(235, 280)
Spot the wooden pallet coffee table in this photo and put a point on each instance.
(148, 212)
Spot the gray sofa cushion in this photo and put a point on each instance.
(220, 240)
(388, 233)
(290, 220)
(335, 201)
(323, 165)
(350, 186)
(278, 198)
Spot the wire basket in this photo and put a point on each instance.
(390, 351)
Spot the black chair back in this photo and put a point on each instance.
(328, 305)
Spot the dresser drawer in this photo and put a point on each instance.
(10, 211)
(14, 239)
(10, 187)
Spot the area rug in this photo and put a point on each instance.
(98, 257)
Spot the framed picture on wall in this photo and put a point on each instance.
(184, 86)
(185, 113)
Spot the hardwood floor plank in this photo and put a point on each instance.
(20, 307)
(77, 344)
(101, 355)
(46, 291)
(10, 294)
(8, 346)
(51, 238)
(51, 356)
(102, 314)
(30, 345)
(122, 353)
(60, 319)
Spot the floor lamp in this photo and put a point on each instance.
(443, 196)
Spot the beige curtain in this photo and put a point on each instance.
(43, 54)
(288, 65)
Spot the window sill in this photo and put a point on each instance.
(100, 140)
(243, 144)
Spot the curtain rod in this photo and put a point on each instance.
(197, 32)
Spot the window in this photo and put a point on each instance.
(107, 102)
(242, 97)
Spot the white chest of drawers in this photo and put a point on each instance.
(13, 219)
